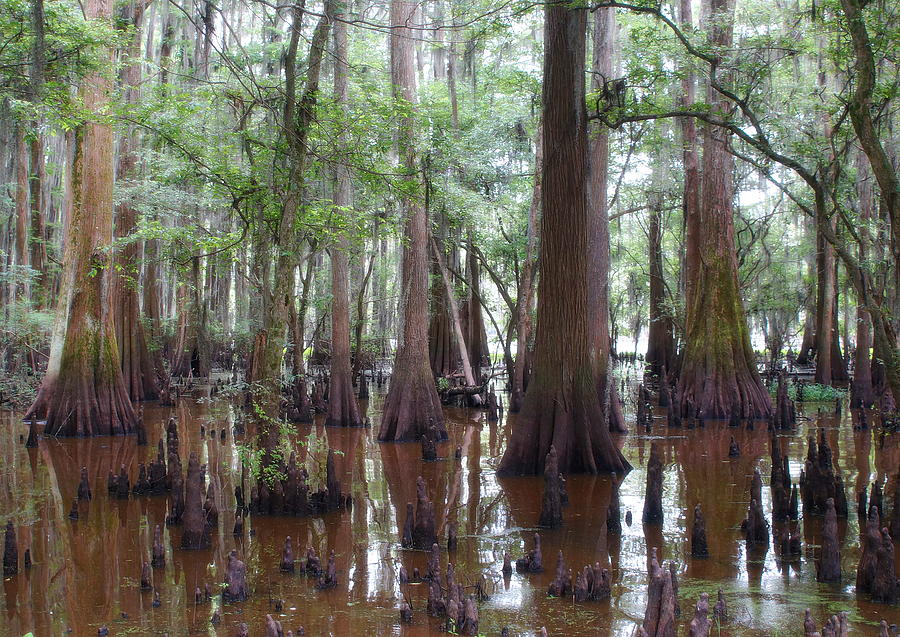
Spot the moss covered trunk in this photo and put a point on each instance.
(718, 375)
(89, 396)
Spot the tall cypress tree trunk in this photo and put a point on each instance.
(476, 334)
(808, 342)
(191, 355)
(89, 395)
(604, 34)
(860, 108)
(456, 323)
(134, 356)
(562, 407)
(660, 343)
(838, 366)
(412, 402)
(526, 283)
(22, 224)
(862, 389)
(38, 174)
(342, 406)
(718, 375)
(691, 196)
(825, 285)
(604, 51)
(153, 308)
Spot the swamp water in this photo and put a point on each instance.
(86, 572)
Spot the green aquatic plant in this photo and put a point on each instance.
(811, 393)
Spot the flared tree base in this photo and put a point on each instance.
(343, 408)
(88, 397)
(571, 421)
(412, 404)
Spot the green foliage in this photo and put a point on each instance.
(812, 392)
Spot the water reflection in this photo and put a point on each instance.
(86, 572)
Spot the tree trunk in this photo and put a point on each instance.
(660, 343)
(862, 389)
(718, 375)
(343, 409)
(562, 406)
(359, 326)
(476, 334)
(22, 221)
(860, 108)
(38, 174)
(808, 343)
(604, 42)
(297, 118)
(38, 240)
(526, 282)
(824, 309)
(691, 196)
(838, 366)
(191, 355)
(298, 318)
(459, 338)
(442, 352)
(412, 404)
(137, 366)
(89, 395)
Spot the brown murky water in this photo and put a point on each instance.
(86, 572)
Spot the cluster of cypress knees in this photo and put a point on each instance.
(820, 489)
(196, 511)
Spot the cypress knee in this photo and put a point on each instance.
(829, 567)
(699, 547)
(551, 508)
(653, 511)
(10, 551)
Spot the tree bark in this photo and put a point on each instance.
(824, 309)
(443, 355)
(191, 356)
(359, 325)
(22, 221)
(604, 43)
(138, 370)
(89, 395)
(862, 388)
(808, 342)
(38, 174)
(691, 196)
(562, 406)
(476, 334)
(526, 281)
(412, 404)
(460, 339)
(860, 109)
(660, 343)
(343, 409)
(718, 375)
